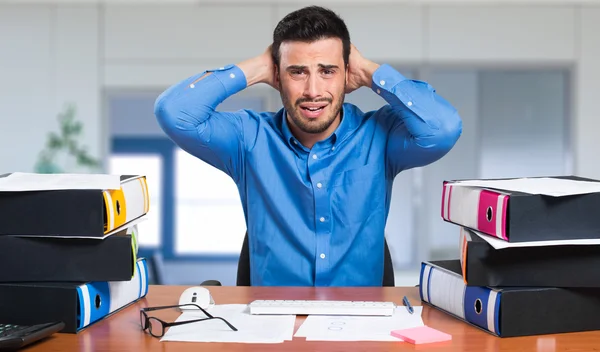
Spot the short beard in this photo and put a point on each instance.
(310, 126)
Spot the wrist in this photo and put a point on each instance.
(368, 69)
(255, 69)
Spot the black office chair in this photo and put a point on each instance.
(243, 270)
(156, 269)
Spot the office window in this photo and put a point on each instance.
(198, 211)
(151, 167)
(209, 216)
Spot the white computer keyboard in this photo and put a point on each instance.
(316, 307)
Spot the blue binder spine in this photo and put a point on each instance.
(143, 270)
(447, 291)
(482, 307)
(98, 300)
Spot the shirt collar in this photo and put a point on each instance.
(287, 133)
(346, 125)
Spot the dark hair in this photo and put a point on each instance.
(310, 24)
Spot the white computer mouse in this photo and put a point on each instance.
(196, 295)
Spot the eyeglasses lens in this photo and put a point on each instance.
(156, 327)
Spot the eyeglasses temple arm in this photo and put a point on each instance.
(149, 309)
(198, 320)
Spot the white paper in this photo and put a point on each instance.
(359, 328)
(501, 244)
(544, 185)
(22, 181)
(251, 328)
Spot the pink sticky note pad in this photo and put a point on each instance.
(423, 334)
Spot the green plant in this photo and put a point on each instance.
(65, 146)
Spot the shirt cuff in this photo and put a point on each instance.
(231, 77)
(385, 81)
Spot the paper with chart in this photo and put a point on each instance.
(251, 328)
(543, 185)
(359, 328)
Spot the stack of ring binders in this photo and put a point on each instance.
(68, 243)
(529, 253)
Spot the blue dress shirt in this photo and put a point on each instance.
(315, 217)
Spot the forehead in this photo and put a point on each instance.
(323, 51)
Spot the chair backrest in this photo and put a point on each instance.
(157, 269)
(243, 271)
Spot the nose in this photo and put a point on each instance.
(311, 88)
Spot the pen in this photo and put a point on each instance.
(407, 304)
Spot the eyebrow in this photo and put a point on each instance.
(302, 67)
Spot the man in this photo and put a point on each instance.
(315, 178)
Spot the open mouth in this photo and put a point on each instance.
(313, 109)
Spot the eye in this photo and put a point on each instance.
(296, 72)
(328, 72)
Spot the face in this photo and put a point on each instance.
(312, 82)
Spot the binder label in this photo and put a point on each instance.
(461, 205)
(446, 291)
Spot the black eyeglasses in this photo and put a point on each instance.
(157, 327)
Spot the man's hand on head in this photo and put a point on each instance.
(360, 70)
(260, 69)
(269, 75)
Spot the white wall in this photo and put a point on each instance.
(53, 54)
(587, 103)
(49, 56)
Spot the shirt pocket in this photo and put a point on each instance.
(360, 174)
(358, 196)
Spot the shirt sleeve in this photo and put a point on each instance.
(187, 113)
(423, 126)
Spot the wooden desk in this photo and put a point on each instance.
(122, 332)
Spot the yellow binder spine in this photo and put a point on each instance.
(127, 203)
(116, 212)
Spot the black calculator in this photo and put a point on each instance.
(14, 337)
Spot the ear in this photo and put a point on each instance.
(347, 76)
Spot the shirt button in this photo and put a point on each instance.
(382, 82)
(378, 91)
(315, 156)
(295, 141)
(333, 148)
(192, 86)
(409, 103)
(231, 75)
(322, 256)
(319, 185)
(322, 219)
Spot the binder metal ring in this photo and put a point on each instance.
(478, 306)
(98, 301)
(488, 214)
